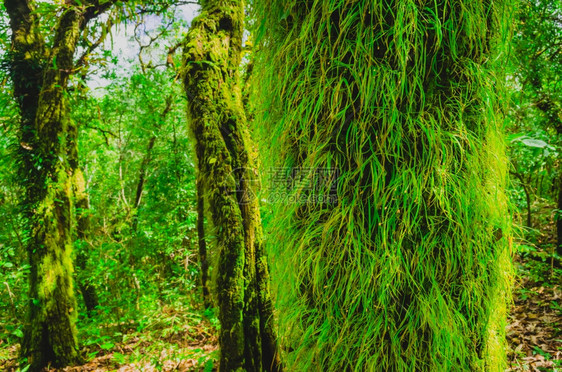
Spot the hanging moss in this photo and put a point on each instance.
(408, 269)
(212, 55)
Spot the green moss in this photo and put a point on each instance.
(403, 271)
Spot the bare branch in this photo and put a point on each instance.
(94, 9)
(83, 58)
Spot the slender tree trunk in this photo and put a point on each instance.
(559, 218)
(392, 240)
(141, 181)
(83, 225)
(144, 167)
(529, 209)
(202, 243)
(525, 186)
(212, 57)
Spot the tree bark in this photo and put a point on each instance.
(83, 223)
(212, 56)
(141, 181)
(527, 191)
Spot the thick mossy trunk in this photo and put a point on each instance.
(49, 333)
(212, 55)
(392, 230)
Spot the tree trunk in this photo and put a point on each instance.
(527, 191)
(212, 57)
(144, 167)
(392, 240)
(50, 333)
(202, 243)
(559, 219)
(140, 183)
(40, 77)
(83, 223)
(87, 289)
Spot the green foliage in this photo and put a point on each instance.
(162, 335)
(409, 269)
(534, 161)
(115, 130)
(536, 110)
(13, 270)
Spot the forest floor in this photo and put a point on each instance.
(178, 339)
(175, 340)
(534, 331)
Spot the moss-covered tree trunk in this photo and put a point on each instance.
(392, 233)
(559, 218)
(83, 231)
(202, 244)
(50, 335)
(83, 223)
(40, 77)
(212, 56)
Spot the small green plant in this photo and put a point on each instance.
(119, 358)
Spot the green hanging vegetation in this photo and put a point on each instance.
(409, 267)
